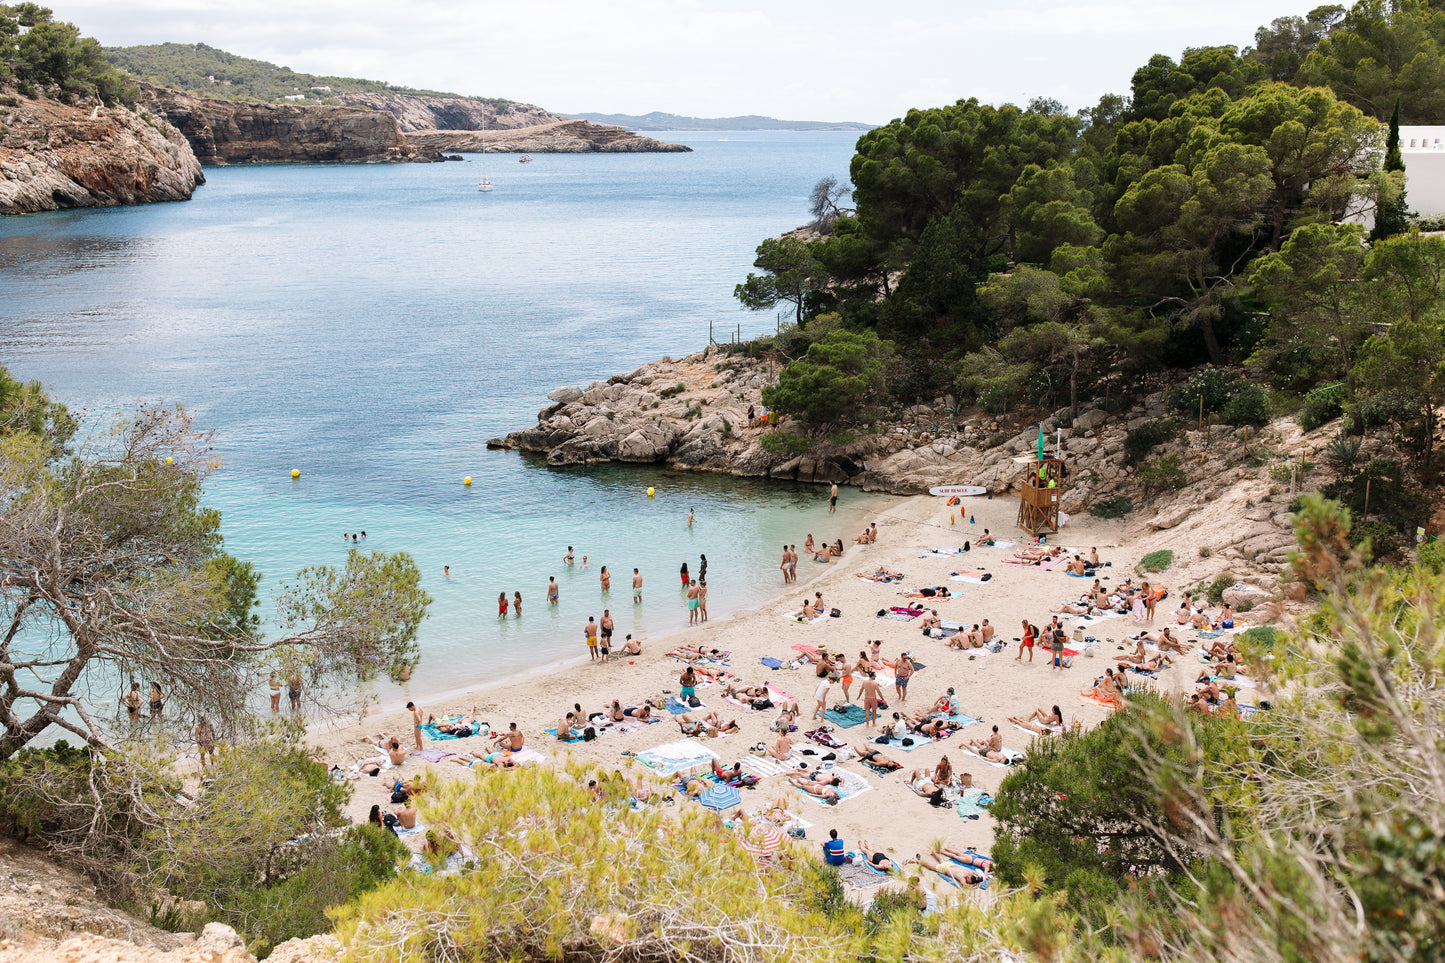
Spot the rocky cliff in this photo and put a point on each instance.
(56, 156)
(1230, 511)
(558, 137)
(415, 112)
(242, 132)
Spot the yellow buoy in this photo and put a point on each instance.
(950, 518)
(651, 492)
(295, 473)
(170, 460)
(467, 480)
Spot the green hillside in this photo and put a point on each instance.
(205, 70)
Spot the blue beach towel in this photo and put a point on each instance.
(846, 719)
(553, 733)
(771, 662)
(432, 732)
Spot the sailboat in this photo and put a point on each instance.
(485, 184)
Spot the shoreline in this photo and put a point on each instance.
(887, 814)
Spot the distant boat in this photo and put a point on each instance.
(485, 184)
(524, 159)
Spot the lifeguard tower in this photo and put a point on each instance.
(1039, 499)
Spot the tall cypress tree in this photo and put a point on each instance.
(1394, 217)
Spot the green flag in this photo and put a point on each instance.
(1041, 442)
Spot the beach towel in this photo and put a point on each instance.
(927, 598)
(823, 738)
(1054, 563)
(432, 732)
(861, 875)
(897, 742)
(433, 755)
(998, 543)
(1054, 730)
(1093, 700)
(971, 802)
(942, 551)
(676, 757)
(881, 580)
(813, 621)
(963, 719)
(1014, 755)
(630, 725)
(976, 578)
(900, 614)
(526, 757)
(802, 647)
(763, 766)
(852, 785)
(771, 662)
(677, 707)
(846, 718)
(553, 733)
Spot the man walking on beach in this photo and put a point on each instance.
(590, 631)
(833, 498)
(636, 586)
(415, 723)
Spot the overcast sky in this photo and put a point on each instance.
(865, 60)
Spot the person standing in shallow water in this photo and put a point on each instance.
(833, 498)
(502, 605)
(552, 590)
(517, 604)
(702, 568)
(685, 578)
(636, 586)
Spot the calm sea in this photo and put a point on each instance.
(373, 326)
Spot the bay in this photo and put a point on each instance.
(373, 326)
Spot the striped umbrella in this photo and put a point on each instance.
(720, 796)
(763, 842)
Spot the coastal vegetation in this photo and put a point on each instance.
(208, 72)
(1025, 259)
(38, 53)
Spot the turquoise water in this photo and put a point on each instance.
(373, 326)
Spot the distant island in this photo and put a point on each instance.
(657, 120)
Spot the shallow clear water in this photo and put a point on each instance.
(373, 326)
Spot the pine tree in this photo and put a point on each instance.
(1394, 216)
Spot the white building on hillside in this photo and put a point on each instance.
(1423, 150)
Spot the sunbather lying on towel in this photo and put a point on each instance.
(696, 652)
(826, 792)
(696, 727)
(1106, 687)
(1075, 608)
(501, 759)
(877, 860)
(1220, 648)
(1149, 665)
(746, 692)
(641, 713)
(463, 727)
(961, 875)
(932, 726)
(992, 744)
(922, 784)
(995, 755)
(876, 759)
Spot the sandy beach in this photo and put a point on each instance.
(887, 814)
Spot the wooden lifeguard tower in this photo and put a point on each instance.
(1039, 498)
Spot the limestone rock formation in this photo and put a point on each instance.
(55, 156)
(556, 137)
(415, 112)
(242, 132)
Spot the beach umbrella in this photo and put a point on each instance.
(763, 843)
(720, 796)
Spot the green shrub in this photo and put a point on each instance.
(1249, 406)
(1156, 561)
(1343, 449)
(784, 443)
(1324, 404)
(674, 391)
(9, 101)
(1379, 410)
(1381, 538)
(1215, 386)
(1164, 474)
(1116, 507)
(1432, 555)
(1221, 582)
(1148, 436)
(1262, 635)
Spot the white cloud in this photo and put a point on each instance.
(846, 60)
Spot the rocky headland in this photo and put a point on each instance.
(246, 132)
(691, 414)
(55, 156)
(557, 137)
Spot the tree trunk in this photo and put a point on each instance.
(1074, 391)
(1211, 341)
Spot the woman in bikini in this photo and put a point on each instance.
(502, 605)
(605, 579)
(158, 700)
(876, 759)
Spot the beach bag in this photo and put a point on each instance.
(967, 547)
(836, 613)
(908, 740)
(589, 734)
(882, 612)
(760, 704)
(986, 576)
(933, 633)
(694, 701)
(1067, 661)
(747, 779)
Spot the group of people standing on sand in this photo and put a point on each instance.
(695, 591)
